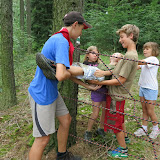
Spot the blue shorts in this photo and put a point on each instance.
(148, 94)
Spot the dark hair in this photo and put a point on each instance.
(69, 24)
(74, 16)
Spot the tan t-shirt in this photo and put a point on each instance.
(126, 69)
(104, 68)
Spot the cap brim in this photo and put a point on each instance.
(87, 25)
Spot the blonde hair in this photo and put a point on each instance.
(128, 29)
(89, 50)
(117, 54)
(154, 46)
(121, 55)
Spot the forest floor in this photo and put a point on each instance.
(16, 125)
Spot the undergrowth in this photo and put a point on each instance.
(16, 123)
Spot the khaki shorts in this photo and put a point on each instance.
(44, 116)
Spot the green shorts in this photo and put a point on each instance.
(44, 116)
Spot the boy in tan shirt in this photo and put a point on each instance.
(125, 72)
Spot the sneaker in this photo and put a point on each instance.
(47, 66)
(154, 134)
(119, 152)
(100, 132)
(88, 136)
(68, 156)
(140, 132)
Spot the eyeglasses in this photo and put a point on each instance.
(94, 53)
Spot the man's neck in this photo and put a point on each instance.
(69, 30)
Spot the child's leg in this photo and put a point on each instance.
(124, 128)
(76, 71)
(121, 139)
(94, 115)
(151, 112)
(145, 112)
(84, 72)
(140, 131)
(127, 140)
(103, 114)
(155, 130)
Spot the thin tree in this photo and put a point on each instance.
(42, 18)
(22, 24)
(28, 2)
(8, 80)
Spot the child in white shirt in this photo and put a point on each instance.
(149, 88)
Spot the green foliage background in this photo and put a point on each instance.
(42, 14)
(107, 17)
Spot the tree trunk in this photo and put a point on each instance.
(8, 81)
(22, 24)
(28, 2)
(68, 89)
(61, 7)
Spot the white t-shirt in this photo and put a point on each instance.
(148, 77)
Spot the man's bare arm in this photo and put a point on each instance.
(61, 72)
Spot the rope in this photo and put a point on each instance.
(156, 104)
(108, 124)
(102, 146)
(134, 107)
(132, 98)
(117, 57)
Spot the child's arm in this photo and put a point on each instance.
(100, 73)
(138, 67)
(112, 82)
(142, 62)
(90, 87)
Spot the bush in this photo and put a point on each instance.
(107, 19)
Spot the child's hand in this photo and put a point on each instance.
(93, 81)
(99, 73)
(94, 88)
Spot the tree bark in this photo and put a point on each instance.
(61, 7)
(22, 15)
(68, 89)
(8, 80)
(22, 24)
